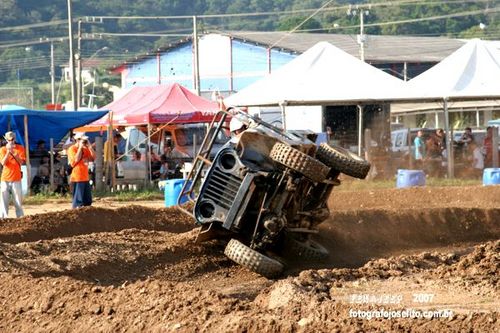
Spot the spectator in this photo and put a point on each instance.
(419, 150)
(435, 146)
(169, 161)
(155, 164)
(488, 147)
(12, 156)
(40, 149)
(477, 159)
(164, 171)
(329, 134)
(467, 137)
(136, 155)
(79, 156)
(120, 141)
(60, 175)
(111, 159)
(43, 176)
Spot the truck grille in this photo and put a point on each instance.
(222, 188)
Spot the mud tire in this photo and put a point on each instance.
(309, 249)
(343, 160)
(299, 162)
(253, 260)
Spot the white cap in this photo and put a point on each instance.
(235, 124)
(80, 135)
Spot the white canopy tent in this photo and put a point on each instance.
(323, 75)
(472, 73)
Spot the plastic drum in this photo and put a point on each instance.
(409, 178)
(491, 176)
(173, 188)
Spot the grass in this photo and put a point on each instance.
(41, 198)
(141, 195)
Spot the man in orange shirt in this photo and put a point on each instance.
(79, 156)
(12, 156)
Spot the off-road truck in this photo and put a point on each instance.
(265, 190)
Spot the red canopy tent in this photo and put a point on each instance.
(159, 104)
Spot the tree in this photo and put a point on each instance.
(290, 23)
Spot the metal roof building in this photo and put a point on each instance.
(230, 61)
(378, 48)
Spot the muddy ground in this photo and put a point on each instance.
(430, 252)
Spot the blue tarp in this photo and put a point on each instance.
(44, 125)
(495, 122)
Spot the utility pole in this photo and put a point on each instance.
(361, 38)
(79, 65)
(72, 58)
(196, 59)
(52, 74)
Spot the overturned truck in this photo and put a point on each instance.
(265, 191)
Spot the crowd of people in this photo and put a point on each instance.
(73, 169)
(430, 154)
(73, 172)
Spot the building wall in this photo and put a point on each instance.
(225, 65)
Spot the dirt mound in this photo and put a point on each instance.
(111, 258)
(91, 219)
(226, 298)
(352, 237)
(481, 266)
(138, 269)
(421, 198)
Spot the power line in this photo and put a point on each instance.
(117, 34)
(34, 25)
(432, 18)
(90, 19)
(301, 23)
(422, 19)
(34, 42)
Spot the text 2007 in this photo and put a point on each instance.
(423, 298)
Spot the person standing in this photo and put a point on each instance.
(477, 159)
(79, 156)
(435, 148)
(12, 156)
(488, 147)
(419, 150)
(467, 137)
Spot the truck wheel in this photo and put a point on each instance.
(307, 249)
(343, 161)
(253, 260)
(300, 162)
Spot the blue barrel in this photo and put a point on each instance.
(173, 188)
(491, 176)
(409, 178)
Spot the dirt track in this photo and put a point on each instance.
(136, 268)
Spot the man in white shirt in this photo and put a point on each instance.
(477, 159)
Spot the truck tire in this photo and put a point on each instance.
(343, 160)
(309, 249)
(300, 162)
(253, 260)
